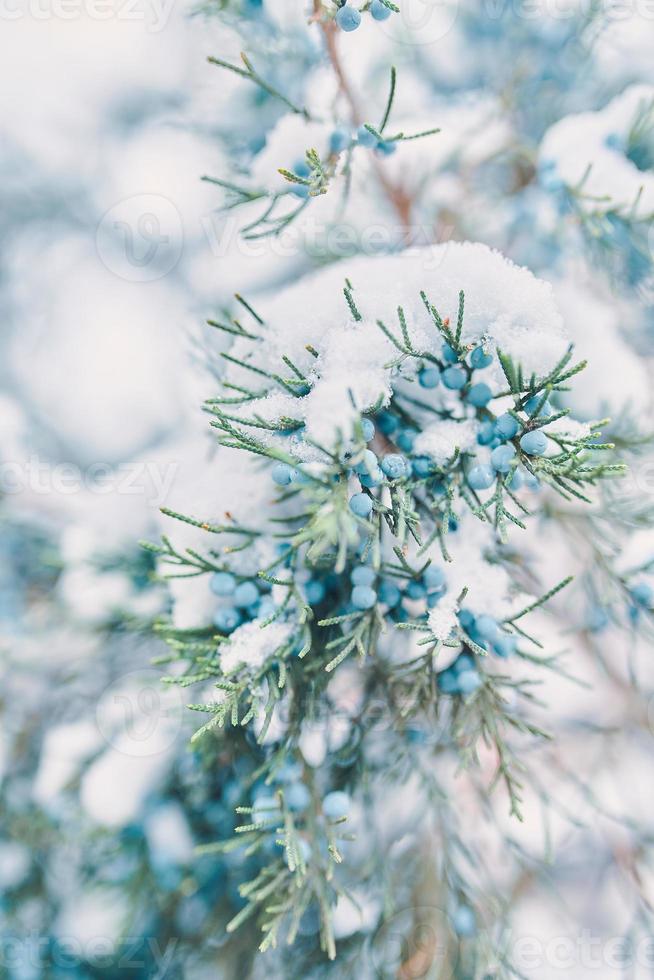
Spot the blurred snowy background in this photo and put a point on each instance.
(112, 255)
(103, 279)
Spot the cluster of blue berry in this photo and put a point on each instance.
(348, 17)
(640, 598)
(266, 809)
(498, 435)
(507, 437)
(343, 139)
(246, 601)
(301, 169)
(368, 588)
(463, 677)
(495, 433)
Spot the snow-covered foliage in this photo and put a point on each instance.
(371, 529)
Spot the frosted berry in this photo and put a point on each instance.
(386, 147)
(454, 378)
(464, 922)
(368, 463)
(283, 474)
(517, 481)
(372, 479)
(416, 590)
(486, 627)
(379, 10)
(448, 354)
(289, 772)
(506, 426)
(368, 429)
(387, 423)
(481, 477)
(400, 614)
(465, 662)
(534, 443)
(389, 594)
(364, 136)
(468, 681)
(361, 505)
(532, 404)
(406, 439)
(336, 805)
(480, 359)
(422, 466)
(448, 682)
(245, 594)
(363, 597)
(394, 466)
(467, 619)
(315, 591)
(297, 797)
(479, 394)
(502, 457)
(643, 594)
(301, 168)
(339, 140)
(227, 619)
(265, 810)
(266, 607)
(348, 18)
(486, 433)
(253, 610)
(222, 583)
(434, 578)
(505, 644)
(363, 575)
(429, 377)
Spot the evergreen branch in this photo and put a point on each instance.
(389, 103)
(251, 75)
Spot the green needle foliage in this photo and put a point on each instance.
(316, 535)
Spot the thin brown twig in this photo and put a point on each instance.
(397, 195)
